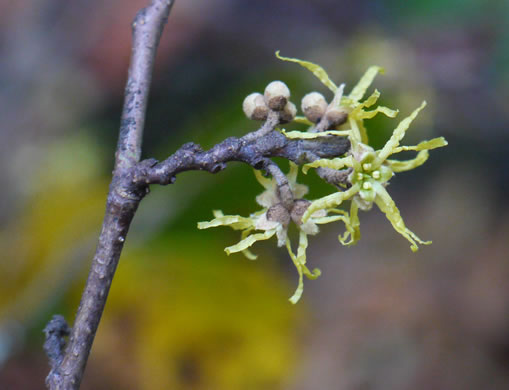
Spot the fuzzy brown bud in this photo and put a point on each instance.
(254, 107)
(279, 213)
(276, 95)
(288, 113)
(299, 208)
(336, 116)
(314, 105)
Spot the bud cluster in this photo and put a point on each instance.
(276, 97)
(281, 214)
(315, 107)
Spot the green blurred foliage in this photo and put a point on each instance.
(439, 12)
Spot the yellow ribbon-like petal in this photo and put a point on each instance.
(385, 203)
(264, 181)
(317, 70)
(372, 99)
(249, 240)
(330, 201)
(360, 89)
(401, 166)
(354, 224)
(384, 110)
(303, 120)
(398, 134)
(335, 163)
(236, 222)
(305, 135)
(300, 264)
(424, 145)
(292, 173)
(246, 252)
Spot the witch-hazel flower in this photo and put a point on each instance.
(370, 170)
(274, 219)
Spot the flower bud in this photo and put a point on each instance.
(254, 107)
(336, 116)
(299, 208)
(314, 106)
(276, 95)
(288, 113)
(278, 213)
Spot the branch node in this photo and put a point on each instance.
(218, 167)
(192, 147)
(56, 331)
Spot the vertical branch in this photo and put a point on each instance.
(147, 28)
(123, 199)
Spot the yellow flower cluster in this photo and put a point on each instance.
(368, 172)
(273, 220)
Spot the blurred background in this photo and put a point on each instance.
(183, 315)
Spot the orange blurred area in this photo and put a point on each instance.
(183, 315)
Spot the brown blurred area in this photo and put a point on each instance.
(181, 314)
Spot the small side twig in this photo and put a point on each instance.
(56, 331)
(254, 152)
(283, 186)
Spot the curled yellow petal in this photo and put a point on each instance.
(301, 257)
(305, 135)
(292, 173)
(264, 181)
(303, 120)
(399, 133)
(299, 190)
(299, 261)
(358, 132)
(317, 70)
(384, 110)
(354, 225)
(335, 163)
(329, 219)
(385, 203)
(360, 89)
(424, 145)
(330, 201)
(249, 240)
(362, 131)
(246, 252)
(333, 218)
(217, 213)
(372, 99)
(300, 286)
(351, 222)
(401, 166)
(236, 222)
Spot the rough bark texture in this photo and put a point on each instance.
(131, 180)
(253, 151)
